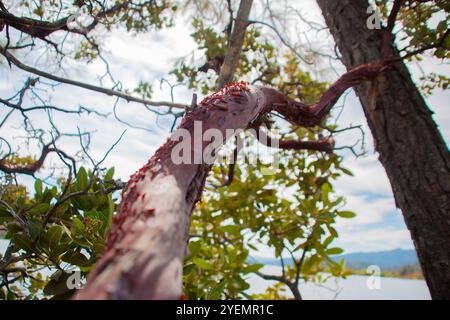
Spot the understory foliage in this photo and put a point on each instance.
(54, 235)
(292, 212)
(61, 223)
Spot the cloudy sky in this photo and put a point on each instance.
(378, 225)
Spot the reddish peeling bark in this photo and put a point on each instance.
(147, 243)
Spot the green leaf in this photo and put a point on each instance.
(229, 229)
(252, 268)
(346, 171)
(78, 225)
(54, 234)
(20, 202)
(38, 187)
(447, 43)
(75, 258)
(346, 214)
(440, 53)
(309, 264)
(84, 202)
(82, 179)
(54, 191)
(187, 269)
(328, 240)
(14, 227)
(109, 174)
(333, 231)
(202, 264)
(216, 292)
(326, 189)
(66, 230)
(194, 247)
(98, 247)
(335, 250)
(34, 228)
(93, 214)
(111, 208)
(40, 208)
(104, 218)
(22, 242)
(58, 284)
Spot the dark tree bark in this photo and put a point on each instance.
(410, 147)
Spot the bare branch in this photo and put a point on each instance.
(325, 145)
(393, 15)
(29, 169)
(297, 54)
(109, 92)
(14, 215)
(231, 167)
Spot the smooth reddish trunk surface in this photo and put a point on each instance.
(147, 243)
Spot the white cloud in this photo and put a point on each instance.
(369, 211)
(377, 239)
(369, 177)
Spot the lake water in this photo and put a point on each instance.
(354, 287)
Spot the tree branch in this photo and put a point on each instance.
(29, 169)
(231, 167)
(325, 145)
(290, 47)
(393, 15)
(235, 44)
(83, 85)
(42, 29)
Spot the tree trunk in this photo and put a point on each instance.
(147, 243)
(409, 144)
(147, 261)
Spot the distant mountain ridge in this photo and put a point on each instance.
(386, 260)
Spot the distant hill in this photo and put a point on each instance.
(386, 260)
